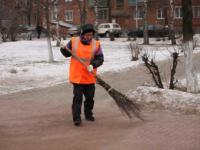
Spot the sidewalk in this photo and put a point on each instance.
(41, 119)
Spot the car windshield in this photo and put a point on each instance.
(107, 26)
(100, 26)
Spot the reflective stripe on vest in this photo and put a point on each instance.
(93, 49)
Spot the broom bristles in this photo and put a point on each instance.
(126, 105)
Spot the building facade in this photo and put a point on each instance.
(127, 13)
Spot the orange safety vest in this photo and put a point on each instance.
(78, 73)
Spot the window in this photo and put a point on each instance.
(107, 26)
(101, 26)
(119, 3)
(99, 3)
(178, 12)
(21, 3)
(103, 13)
(140, 13)
(91, 3)
(196, 11)
(160, 13)
(102, 3)
(69, 15)
(131, 2)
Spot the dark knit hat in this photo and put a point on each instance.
(87, 28)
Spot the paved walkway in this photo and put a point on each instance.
(40, 119)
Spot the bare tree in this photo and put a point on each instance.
(8, 24)
(154, 70)
(56, 10)
(46, 5)
(135, 51)
(38, 9)
(29, 11)
(171, 23)
(191, 78)
(38, 13)
(175, 56)
(146, 37)
(82, 10)
(109, 11)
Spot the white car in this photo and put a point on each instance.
(105, 29)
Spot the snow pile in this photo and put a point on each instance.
(173, 100)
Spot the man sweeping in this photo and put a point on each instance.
(83, 78)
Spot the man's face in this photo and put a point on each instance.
(88, 36)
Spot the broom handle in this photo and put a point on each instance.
(77, 58)
(73, 54)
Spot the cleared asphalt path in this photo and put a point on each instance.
(40, 119)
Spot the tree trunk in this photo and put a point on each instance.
(58, 26)
(29, 12)
(1, 39)
(82, 10)
(51, 59)
(191, 78)
(38, 12)
(57, 32)
(109, 11)
(171, 24)
(146, 36)
(173, 70)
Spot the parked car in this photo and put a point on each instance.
(153, 31)
(105, 29)
(27, 32)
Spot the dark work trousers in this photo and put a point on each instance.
(88, 91)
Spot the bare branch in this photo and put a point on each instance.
(175, 56)
(153, 69)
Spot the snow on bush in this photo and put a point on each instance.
(173, 100)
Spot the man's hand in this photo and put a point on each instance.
(90, 68)
(62, 45)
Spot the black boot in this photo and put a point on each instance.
(90, 118)
(77, 121)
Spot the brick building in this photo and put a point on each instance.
(120, 11)
(24, 11)
(124, 12)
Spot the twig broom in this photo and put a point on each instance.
(126, 105)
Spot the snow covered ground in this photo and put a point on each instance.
(172, 100)
(24, 64)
